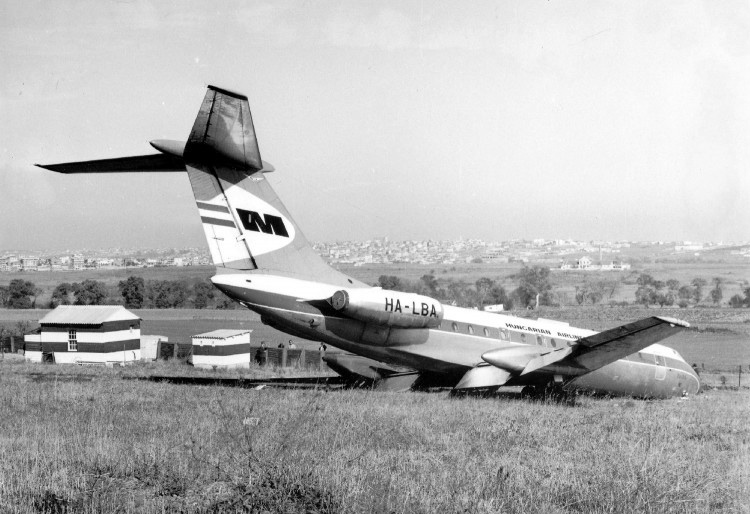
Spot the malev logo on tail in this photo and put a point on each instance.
(266, 223)
(265, 228)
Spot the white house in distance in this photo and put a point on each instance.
(224, 348)
(86, 334)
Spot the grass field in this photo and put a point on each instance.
(93, 441)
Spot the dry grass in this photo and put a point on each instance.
(104, 444)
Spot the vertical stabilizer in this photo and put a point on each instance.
(246, 225)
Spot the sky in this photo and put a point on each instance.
(405, 119)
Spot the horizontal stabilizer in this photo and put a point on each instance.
(138, 163)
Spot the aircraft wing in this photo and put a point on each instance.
(589, 353)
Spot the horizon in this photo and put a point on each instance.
(204, 248)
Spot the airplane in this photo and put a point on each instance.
(396, 340)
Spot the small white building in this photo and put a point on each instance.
(223, 348)
(86, 334)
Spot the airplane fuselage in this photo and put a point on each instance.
(456, 344)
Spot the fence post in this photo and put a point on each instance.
(12, 345)
(174, 351)
(283, 358)
(302, 362)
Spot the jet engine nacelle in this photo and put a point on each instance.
(391, 308)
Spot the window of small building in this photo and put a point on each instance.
(72, 340)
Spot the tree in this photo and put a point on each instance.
(673, 284)
(203, 294)
(483, 287)
(534, 286)
(736, 301)
(430, 283)
(4, 296)
(89, 292)
(132, 291)
(456, 292)
(644, 279)
(716, 293)
(686, 293)
(20, 294)
(698, 285)
(61, 295)
(645, 296)
(499, 295)
(166, 294)
(390, 282)
(581, 293)
(22, 327)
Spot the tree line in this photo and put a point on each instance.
(534, 288)
(133, 293)
(671, 292)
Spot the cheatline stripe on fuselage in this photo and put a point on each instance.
(212, 207)
(217, 221)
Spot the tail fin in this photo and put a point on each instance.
(246, 225)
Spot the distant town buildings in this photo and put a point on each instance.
(564, 254)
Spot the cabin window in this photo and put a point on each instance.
(553, 343)
(540, 340)
(523, 337)
(470, 329)
(454, 326)
(504, 335)
(132, 327)
(486, 332)
(72, 341)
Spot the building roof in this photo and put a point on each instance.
(87, 315)
(222, 333)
